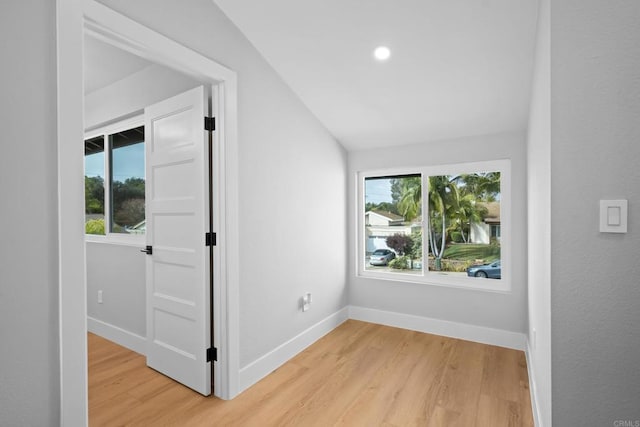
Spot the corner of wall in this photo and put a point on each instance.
(263, 366)
(118, 335)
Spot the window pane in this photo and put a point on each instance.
(393, 224)
(94, 185)
(464, 224)
(127, 181)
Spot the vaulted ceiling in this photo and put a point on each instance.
(457, 67)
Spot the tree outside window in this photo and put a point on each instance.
(462, 215)
(123, 211)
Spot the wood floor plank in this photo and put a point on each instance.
(501, 374)
(360, 374)
(338, 390)
(415, 403)
(461, 385)
(384, 388)
(494, 411)
(525, 392)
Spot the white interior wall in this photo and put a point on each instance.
(539, 219)
(132, 94)
(502, 311)
(29, 326)
(595, 297)
(118, 271)
(292, 184)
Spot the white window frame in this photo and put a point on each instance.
(438, 278)
(106, 130)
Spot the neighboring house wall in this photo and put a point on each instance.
(379, 227)
(377, 235)
(480, 233)
(489, 229)
(505, 311)
(373, 218)
(292, 177)
(29, 326)
(375, 241)
(595, 155)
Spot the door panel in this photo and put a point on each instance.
(178, 300)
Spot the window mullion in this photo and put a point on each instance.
(107, 185)
(425, 224)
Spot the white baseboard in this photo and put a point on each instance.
(533, 389)
(481, 334)
(118, 335)
(260, 368)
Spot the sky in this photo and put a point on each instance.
(377, 190)
(128, 162)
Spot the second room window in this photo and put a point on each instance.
(115, 182)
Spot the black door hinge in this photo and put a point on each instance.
(210, 239)
(212, 354)
(210, 123)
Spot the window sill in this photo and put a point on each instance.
(442, 280)
(116, 239)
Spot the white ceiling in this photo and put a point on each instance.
(457, 68)
(105, 64)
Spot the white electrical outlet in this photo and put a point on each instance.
(100, 297)
(306, 301)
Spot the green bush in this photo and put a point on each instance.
(456, 266)
(400, 263)
(94, 226)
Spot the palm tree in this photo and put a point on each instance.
(450, 206)
(468, 211)
(410, 203)
(443, 203)
(484, 185)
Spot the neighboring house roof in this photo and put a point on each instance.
(382, 218)
(493, 212)
(390, 215)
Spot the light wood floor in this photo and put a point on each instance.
(360, 374)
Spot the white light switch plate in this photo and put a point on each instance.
(613, 216)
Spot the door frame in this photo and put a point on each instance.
(74, 19)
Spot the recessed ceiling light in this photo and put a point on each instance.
(382, 53)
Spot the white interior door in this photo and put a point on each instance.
(177, 193)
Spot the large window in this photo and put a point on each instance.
(115, 182)
(441, 225)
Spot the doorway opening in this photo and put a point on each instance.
(91, 18)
